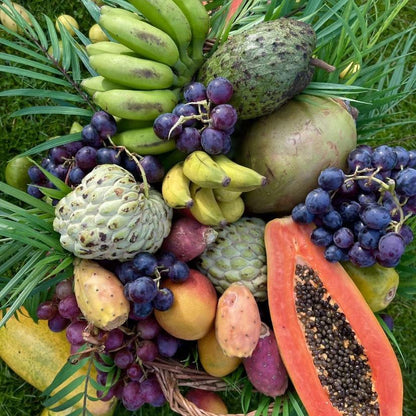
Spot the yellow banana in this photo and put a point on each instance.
(205, 208)
(143, 142)
(242, 178)
(136, 104)
(198, 19)
(107, 46)
(167, 16)
(93, 84)
(225, 194)
(201, 169)
(175, 188)
(232, 210)
(141, 74)
(143, 38)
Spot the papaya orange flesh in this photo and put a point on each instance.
(36, 354)
(321, 364)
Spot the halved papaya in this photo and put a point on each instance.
(336, 353)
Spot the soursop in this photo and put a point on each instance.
(109, 216)
(267, 64)
(237, 255)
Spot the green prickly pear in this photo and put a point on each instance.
(237, 321)
(100, 295)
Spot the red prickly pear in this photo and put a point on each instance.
(188, 238)
(100, 295)
(237, 322)
(265, 368)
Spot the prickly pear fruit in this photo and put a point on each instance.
(212, 357)
(207, 400)
(237, 322)
(265, 368)
(100, 295)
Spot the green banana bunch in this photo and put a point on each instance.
(176, 188)
(136, 104)
(142, 74)
(168, 17)
(93, 84)
(107, 46)
(124, 124)
(143, 141)
(143, 38)
(202, 170)
(199, 22)
(119, 12)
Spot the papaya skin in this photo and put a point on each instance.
(36, 354)
(288, 244)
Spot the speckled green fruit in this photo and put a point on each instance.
(16, 172)
(377, 284)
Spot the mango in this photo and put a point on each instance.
(212, 357)
(207, 400)
(193, 310)
(237, 322)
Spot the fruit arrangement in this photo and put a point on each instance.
(210, 222)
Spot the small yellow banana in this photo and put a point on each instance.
(225, 195)
(205, 208)
(202, 170)
(175, 188)
(232, 210)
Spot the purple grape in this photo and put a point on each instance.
(390, 249)
(130, 164)
(406, 182)
(189, 140)
(223, 117)
(321, 237)
(370, 185)
(74, 332)
(101, 377)
(194, 92)
(163, 299)
(334, 254)
(331, 179)
(384, 157)
(114, 339)
(388, 319)
(318, 201)
(368, 238)
(47, 310)
(167, 344)
(108, 155)
(350, 211)
(165, 260)
(163, 126)
(301, 215)
(343, 237)
(34, 191)
(68, 307)
(402, 157)
(376, 217)
(123, 358)
(148, 328)
(58, 323)
(141, 290)
(366, 198)
(104, 123)
(60, 172)
(76, 175)
(91, 137)
(59, 155)
(36, 175)
(147, 350)
(219, 90)
(406, 233)
(108, 396)
(134, 372)
(186, 110)
(178, 272)
(358, 158)
(141, 310)
(332, 220)
(349, 189)
(360, 256)
(153, 168)
(73, 147)
(126, 272)
(85, 158)
(357, 227)
(227, 144)
(152, 392)
(213, 141)
(145, 263)
(64, 289)
(412, 159)
(132, 397)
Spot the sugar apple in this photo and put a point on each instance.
(109, 216)
(237, 255)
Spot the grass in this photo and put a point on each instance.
(20, 399)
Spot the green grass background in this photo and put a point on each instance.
(17, 398)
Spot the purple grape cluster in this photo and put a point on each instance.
(205, 121)
(72, 161)
(360, 215)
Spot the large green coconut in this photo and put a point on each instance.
(291, 146)
(267, 65)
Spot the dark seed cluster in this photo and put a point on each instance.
(340, 360)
